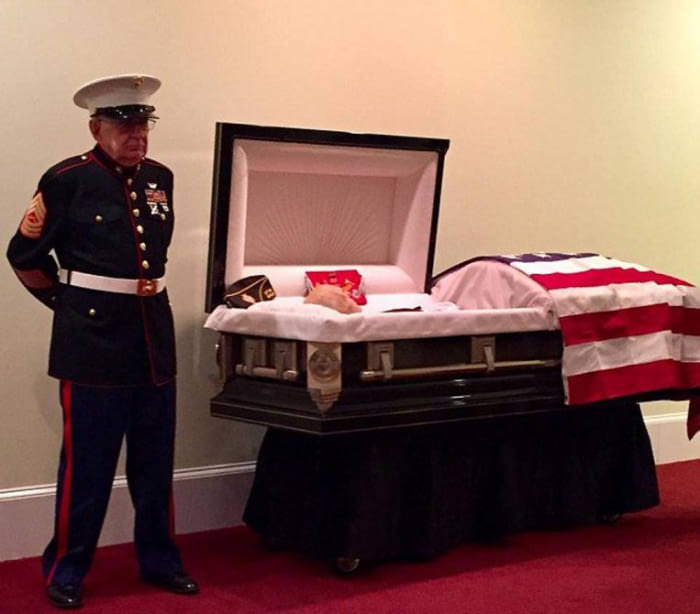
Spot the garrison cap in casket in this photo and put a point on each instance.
(119, 97)
(249, 290)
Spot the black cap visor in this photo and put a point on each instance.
(126, 112)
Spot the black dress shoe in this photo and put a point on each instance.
(65, 595)
(178, 583)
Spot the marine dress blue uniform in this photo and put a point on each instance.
(112, 348)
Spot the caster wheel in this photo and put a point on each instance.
(609, 519)
(346, 564)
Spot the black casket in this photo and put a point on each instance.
(473, 357)
(289, 201)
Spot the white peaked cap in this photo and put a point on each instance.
(116, 91)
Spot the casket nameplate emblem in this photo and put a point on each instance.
(324, 373)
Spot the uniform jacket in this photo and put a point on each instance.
(93, 216)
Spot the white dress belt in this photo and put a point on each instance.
(140, 287)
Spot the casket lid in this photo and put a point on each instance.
(286, 200)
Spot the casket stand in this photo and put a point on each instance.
(394, 434)
(417, 492)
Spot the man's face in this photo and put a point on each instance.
(126, 142)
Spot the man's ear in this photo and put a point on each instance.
(95, 128)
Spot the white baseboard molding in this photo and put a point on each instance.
(205, 498)
(669, 438)
(214, 497)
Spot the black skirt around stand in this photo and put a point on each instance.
(419, 491)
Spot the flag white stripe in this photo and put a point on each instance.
(626, 351)
(575, 301)
(574, 265)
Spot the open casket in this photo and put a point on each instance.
(286, 201)
(480, 341)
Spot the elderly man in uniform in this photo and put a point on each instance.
(107, 215)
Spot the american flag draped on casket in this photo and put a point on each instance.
(627, 330)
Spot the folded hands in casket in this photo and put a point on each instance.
(333, 297)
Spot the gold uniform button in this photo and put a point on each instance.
(98, 219)
(145, 264)
(83, 157)
(118, 169)
(92, 313)
(139, 229)
(129, 181)
(133, 196)
(136, 212)
(162, 216)
(142, 247)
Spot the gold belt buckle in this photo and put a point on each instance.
(146, 287)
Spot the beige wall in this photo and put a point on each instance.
(574, 125)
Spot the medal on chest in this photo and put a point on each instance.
(157, 200)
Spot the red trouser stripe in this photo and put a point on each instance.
(62, 522)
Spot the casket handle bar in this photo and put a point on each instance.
(380, 362)
(288, 375)
(373, 375)
(255, 360)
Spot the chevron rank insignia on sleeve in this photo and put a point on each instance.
(33, 221)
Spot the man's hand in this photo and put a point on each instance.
(333, 297)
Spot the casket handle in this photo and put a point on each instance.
(223, 357)
(387, 367)
(282, 354)
(287, 375)
(373, 375)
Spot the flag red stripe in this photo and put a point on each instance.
(603, 277)
(598, 326)
(631, 380)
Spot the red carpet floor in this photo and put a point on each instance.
(649, 562)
